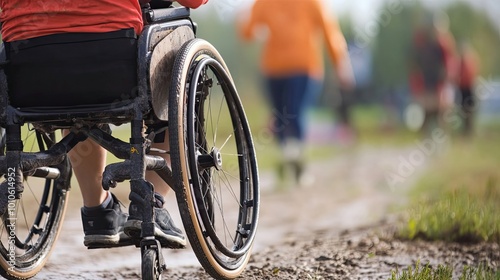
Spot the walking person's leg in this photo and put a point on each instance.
(431, 106)
(291, 98)
(276, 93)
(303, 93)
(467, 106)
(280, 118)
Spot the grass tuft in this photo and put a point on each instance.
(444, 272)
(457, 199)
(456, 217)
(419, 272)
(482, 272)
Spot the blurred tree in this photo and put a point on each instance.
(240, 57)
(473, 26)
(392, 45)
(347, 26)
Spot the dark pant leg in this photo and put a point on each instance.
(468, 104)
(291, 97)
(280, 116)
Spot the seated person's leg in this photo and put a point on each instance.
(165, 231)
(102, 217)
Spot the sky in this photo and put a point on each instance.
(365, 10)
(362, 11)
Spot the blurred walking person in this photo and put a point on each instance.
(292, 66)
(433, 70)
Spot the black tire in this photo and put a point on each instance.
(213, 161)
(39, 214)
(150, 268)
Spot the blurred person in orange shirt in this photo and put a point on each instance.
(292, 64)
(100, 38)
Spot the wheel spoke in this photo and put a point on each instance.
(221, 208)
(28, 185)
(225, 142)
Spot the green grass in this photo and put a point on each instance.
(444, 272)
(457, 216)
(419, 272)
(458, 198)
(377, 126)
(480, 273)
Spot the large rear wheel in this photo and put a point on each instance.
(31, 224)
(213, 161)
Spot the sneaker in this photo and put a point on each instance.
(293, 150)
(302, 177)
(165, 231)
(103, 228)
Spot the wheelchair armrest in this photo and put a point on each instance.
(167, 14)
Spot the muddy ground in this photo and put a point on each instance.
(340, 227)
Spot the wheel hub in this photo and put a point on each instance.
(213, 159)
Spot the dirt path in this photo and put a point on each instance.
(350, 191)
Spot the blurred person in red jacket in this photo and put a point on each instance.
(292, 65)
(433, 70)
(100, 36)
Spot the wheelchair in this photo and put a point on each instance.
(183, 86)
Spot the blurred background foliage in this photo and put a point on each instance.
(386, 40)
(392, 44)
(380, 50)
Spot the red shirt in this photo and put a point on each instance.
(467, 69)
(24, 19)
(192, 3)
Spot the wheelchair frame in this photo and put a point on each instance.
(85, 123)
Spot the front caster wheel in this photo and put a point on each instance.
(151, 268)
